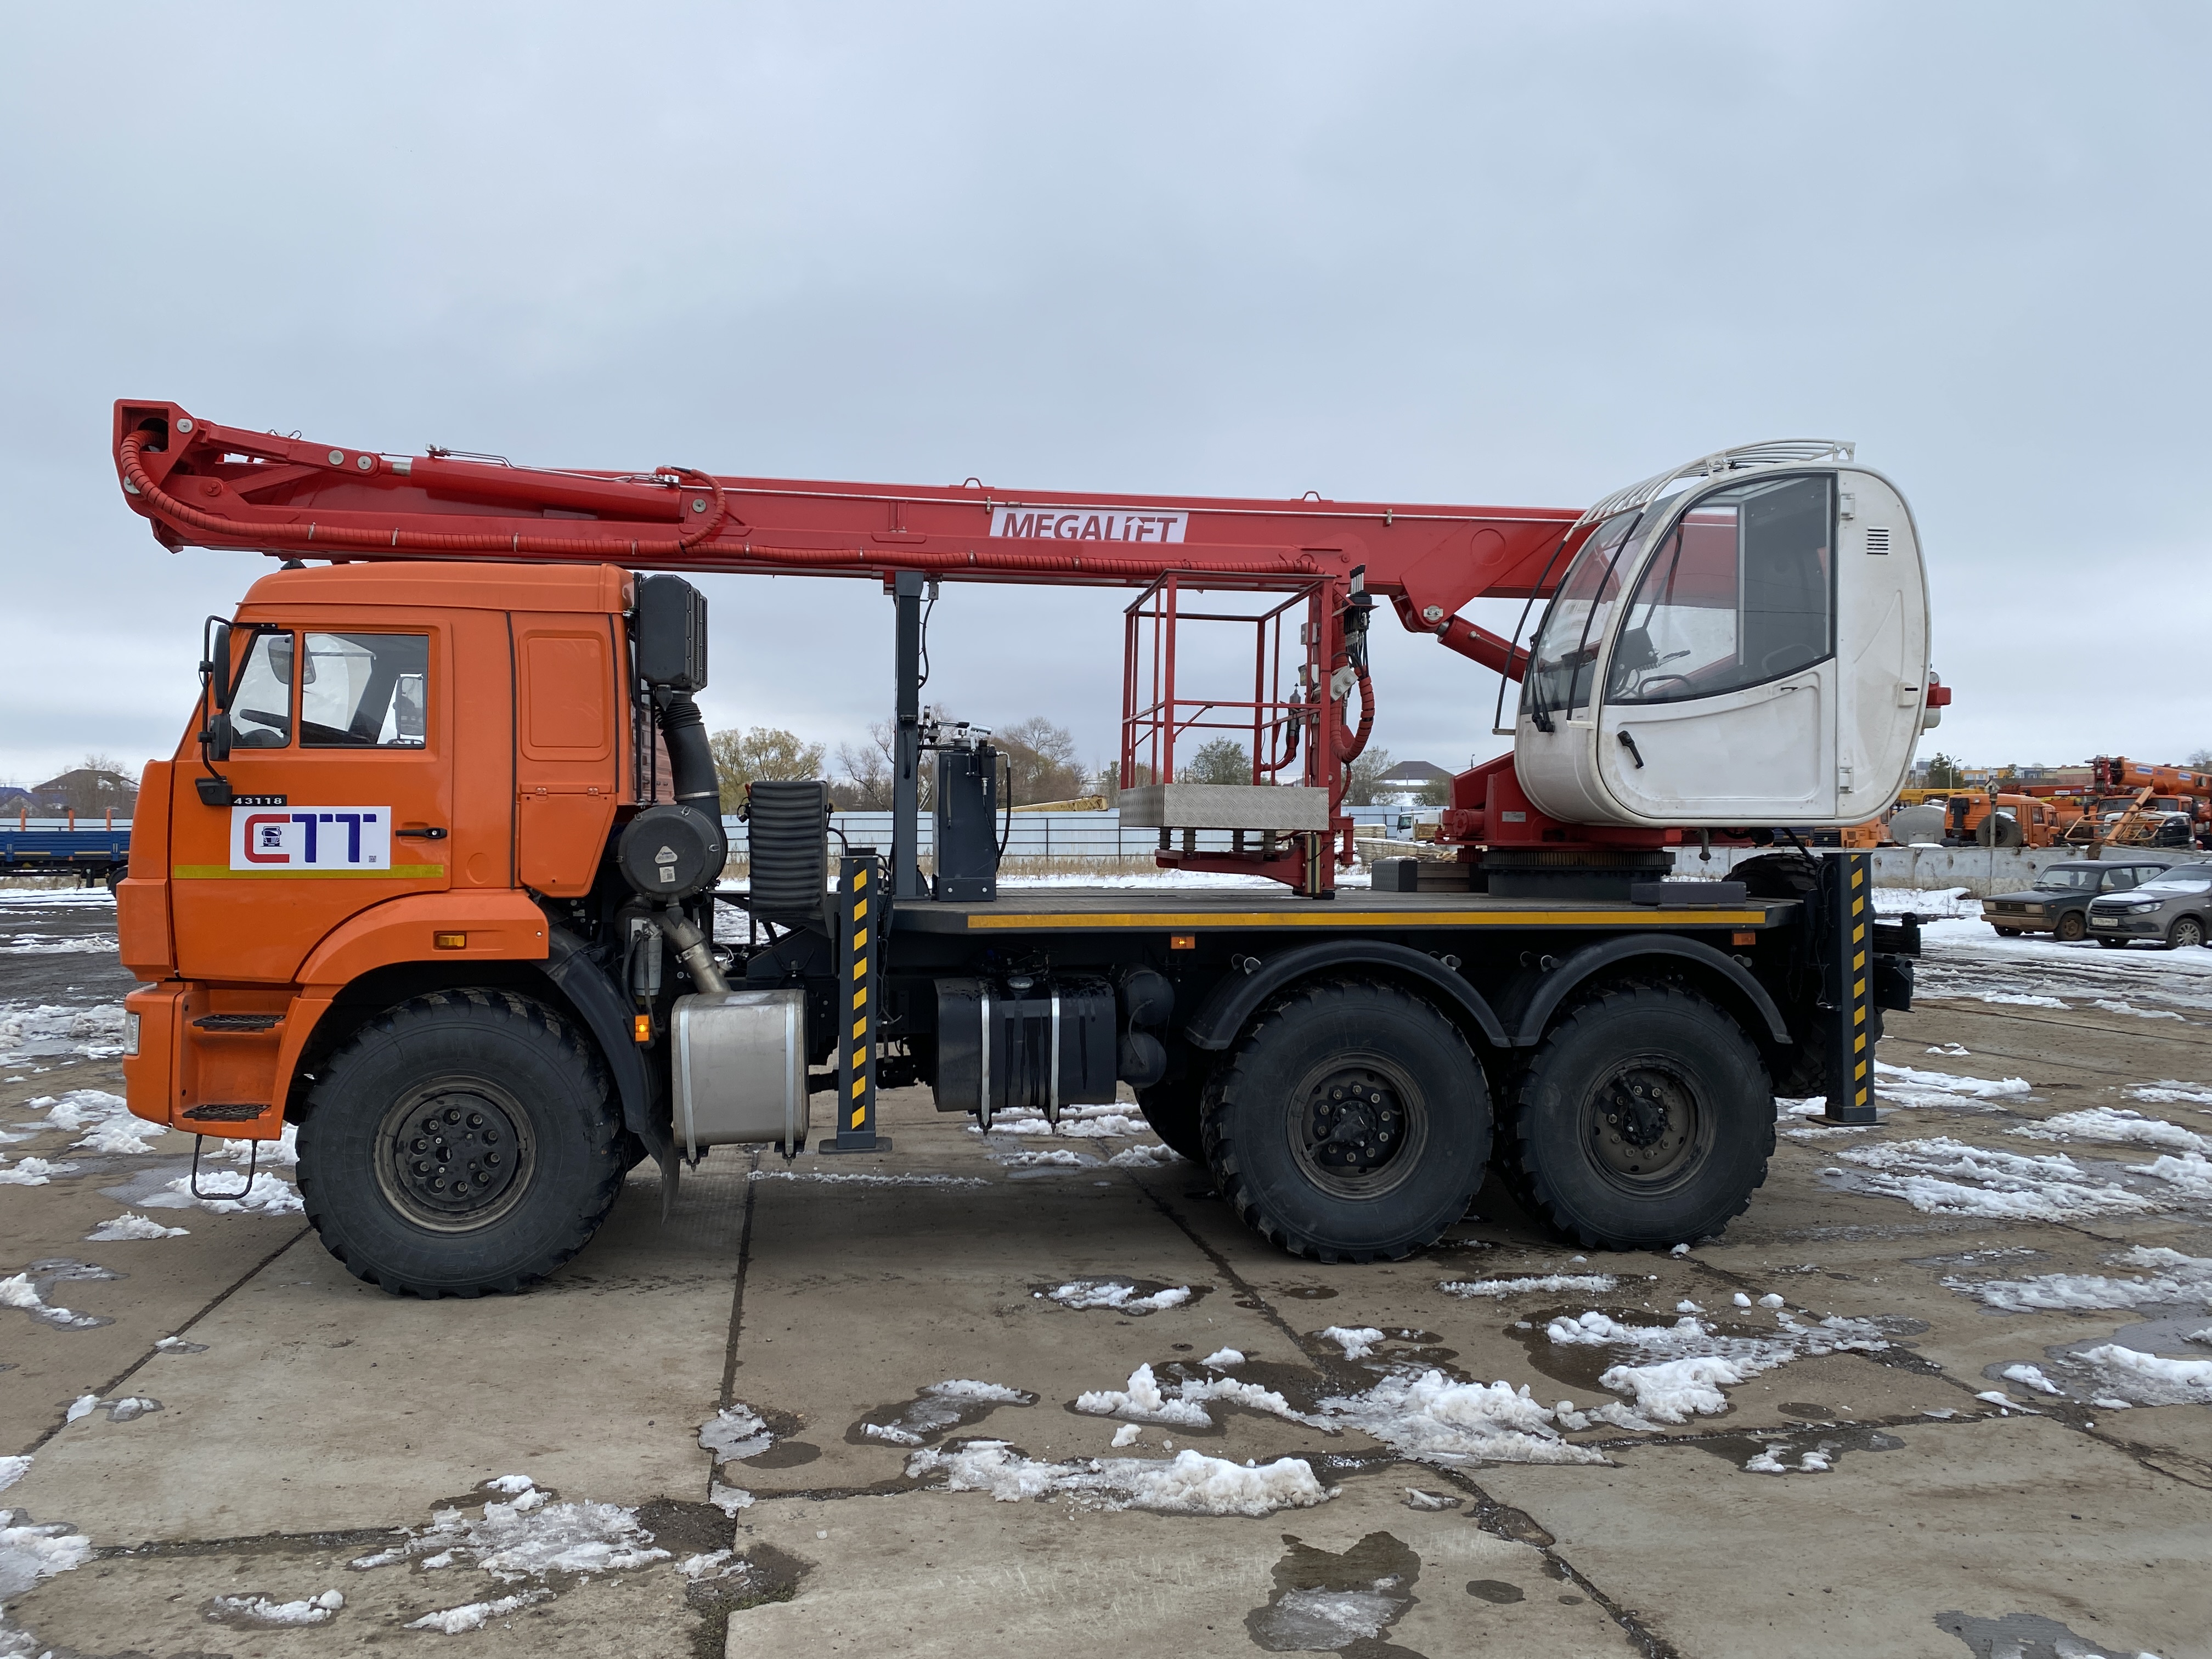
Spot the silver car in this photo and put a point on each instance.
(2173, 909)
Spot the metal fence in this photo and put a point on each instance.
(1056, 838)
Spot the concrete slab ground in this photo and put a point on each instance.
(1908, 1495)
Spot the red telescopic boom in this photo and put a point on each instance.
(205, 485)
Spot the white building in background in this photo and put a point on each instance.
(1401, 786)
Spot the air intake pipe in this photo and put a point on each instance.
(690, 762)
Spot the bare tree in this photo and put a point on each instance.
(1041, 760)
(864, 773)
(1361, 777)
(764, 752)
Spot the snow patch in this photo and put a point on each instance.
(260, 1610)
(269, 1195)
(2152, 1379)
(1057, 1159)
(1143, 1401)
(1221, 1358)
(1427, 1415)
(1117, 1294)
(34, 1171)
(1681, 1369)
(1189, 1483)
(1910, 1087)
(1943, 1177)
(452, 1621)
(2191, 1173)
(2127, 1127)
(1143, 1158)
(1357, 1341)
(2030, 1377)
(17, 1290)
(13, 1469)
(2113, 1006)
(864, 1180)
(734, 1432)
(2169, 1091)
(130, 1225)
(29, 1551)
(528, 1536)
(2174, 1277)
(1550, 1284)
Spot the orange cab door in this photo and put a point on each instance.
(342, 764)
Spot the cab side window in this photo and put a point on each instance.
(365, 691)
(1740, 592)
(261, 707)
(2122, 878)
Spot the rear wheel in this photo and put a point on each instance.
(2185, 932)
(464, 1141)
(2072, 927)
(1645, 1118)
(1351, 1122)
(2006, 933)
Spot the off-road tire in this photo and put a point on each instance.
(1718, 1104)
(531, 1093)
(2072, 928)
(2186, 932)
(1430, 1125)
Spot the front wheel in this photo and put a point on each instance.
(1646, 1118)
(462, 1142)
(1351, 1122)
(2185, 934)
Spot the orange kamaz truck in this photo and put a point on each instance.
(435, 871)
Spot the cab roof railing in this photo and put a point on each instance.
(1774, 452)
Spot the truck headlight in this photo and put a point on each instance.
(131, 1036)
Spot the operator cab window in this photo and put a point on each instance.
(365, 691)
(261, 707)
(1740, 592)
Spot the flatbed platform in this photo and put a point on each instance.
(1112, 909)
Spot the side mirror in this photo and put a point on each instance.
(215, 741)
(215, 661)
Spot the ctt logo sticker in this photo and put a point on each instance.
(310, 838)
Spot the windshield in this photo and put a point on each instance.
(2069, 881)
(1558, 678)
(2191, 878)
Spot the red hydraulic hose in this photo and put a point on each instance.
(621, 549)
(1350, 746)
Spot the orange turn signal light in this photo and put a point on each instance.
(449, 941)
(1183, 941)
(1743, 938)
(641, 1027)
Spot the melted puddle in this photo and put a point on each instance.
(1330, 1603)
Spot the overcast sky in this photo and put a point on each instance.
(1517, 255)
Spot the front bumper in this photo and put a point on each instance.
(2147, 925)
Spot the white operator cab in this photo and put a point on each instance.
(1742, 642)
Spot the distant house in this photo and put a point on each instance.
(84, 790)
(1401, 786)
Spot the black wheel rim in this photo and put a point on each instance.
(1357, 1126)
(1645, 1126)
(455, 1155)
